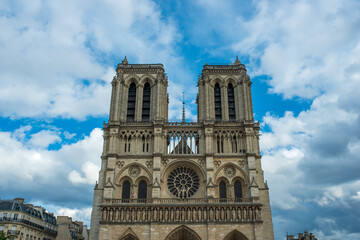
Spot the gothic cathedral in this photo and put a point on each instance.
(162, 180)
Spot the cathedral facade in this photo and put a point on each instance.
(162, 180)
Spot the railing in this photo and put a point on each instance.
(51, 231)
(182, 201)
(182, 140)
(6, 219)
(13, 232)
(180, 123)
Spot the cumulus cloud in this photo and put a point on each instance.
(77, 214)
(44, 138)
(309, 51)
(30, 171)
(57, 64)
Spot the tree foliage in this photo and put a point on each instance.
(3, 236)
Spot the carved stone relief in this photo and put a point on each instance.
(134, 171)
(229, 171)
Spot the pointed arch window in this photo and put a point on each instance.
(222, 190)
(231, 102)
(126, 191)
(217, 99)
(146, 103)
(142, 191)
(131, 102)
(237, 191)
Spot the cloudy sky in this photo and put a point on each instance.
(58, 58)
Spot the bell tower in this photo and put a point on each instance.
(162, 180)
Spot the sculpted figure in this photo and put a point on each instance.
(143, 217)
(211, 214)
(172, 214)
(222, 214)
(177, 214)
(188, 214)
(250, 214)
(138, 215)
(128, 215)
(194, 214)
(161, 217)
(149, 215)
(166, 214)
(233, 214)
(228, 214)
(104, 214)
(155, 218)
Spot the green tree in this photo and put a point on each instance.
(3, 236)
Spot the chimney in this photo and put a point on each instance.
(19, 200)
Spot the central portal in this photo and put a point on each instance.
(183, 233)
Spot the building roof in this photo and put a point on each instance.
(15, 205)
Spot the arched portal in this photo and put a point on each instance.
(129, 237)
(183, 233)
(235, 235)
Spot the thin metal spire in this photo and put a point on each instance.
(183, 113)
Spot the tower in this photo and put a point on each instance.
(164, 180)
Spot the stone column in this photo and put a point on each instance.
(224, 103)
(139, 100)
(123, 102)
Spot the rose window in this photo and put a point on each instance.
(183, 182)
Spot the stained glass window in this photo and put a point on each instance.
(183, 182)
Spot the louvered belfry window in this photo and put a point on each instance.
(231, 102)
(146, 103)
(126, 190)
(142, 191)
(222, 189)
(217, 98)
(131, 103)
(237, 191)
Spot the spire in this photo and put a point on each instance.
(237, 61)
(183, 113)
(125, 61)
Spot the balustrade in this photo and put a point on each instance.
(181, 201)
(168, 214)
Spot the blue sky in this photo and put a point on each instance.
(58, 59)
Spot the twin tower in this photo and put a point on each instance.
(162, 180)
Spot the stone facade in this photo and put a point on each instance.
(69, 230)
(181, 180)
(24, 221)
(302, 236)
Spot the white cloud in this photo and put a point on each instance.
(68, 135)
(91, 174)
(81, 214)
(51, 47)
(44, 138)
(27, 169)
(21, 132)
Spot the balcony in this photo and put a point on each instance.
(29, 223)
(50, 231)
(13, 232)
(172, 210)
